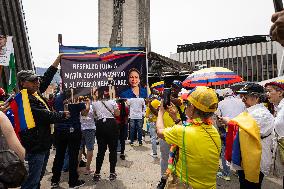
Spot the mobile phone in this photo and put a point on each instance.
(278, 5)
(167, 97)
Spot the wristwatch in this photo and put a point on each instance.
(177, 121)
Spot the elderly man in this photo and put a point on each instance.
(37, 140)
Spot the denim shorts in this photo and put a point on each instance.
(88, 139)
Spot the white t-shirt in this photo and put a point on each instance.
(230, 107)
(101, 110)
(137, 108)
(87, 122)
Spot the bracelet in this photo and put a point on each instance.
(177, 121)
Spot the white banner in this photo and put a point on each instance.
(6, 49)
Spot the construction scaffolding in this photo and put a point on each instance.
(116, 39)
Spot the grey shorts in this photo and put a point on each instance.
(88, 139)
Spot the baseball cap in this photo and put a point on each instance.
(27, 75)
(251, 88)
(177, 83)
(204, 99)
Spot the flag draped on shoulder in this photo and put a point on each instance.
(243, 145)
(22, 115)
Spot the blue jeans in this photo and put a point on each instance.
(226, 168)
(136, 124)
(165, 151)
(37, 165)
(152, 129)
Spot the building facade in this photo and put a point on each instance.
(255, 58)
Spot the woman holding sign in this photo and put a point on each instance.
(135, 90)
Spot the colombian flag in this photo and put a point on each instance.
(158, 86)
(243, 145)
(22, 114)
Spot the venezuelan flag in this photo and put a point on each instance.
(22, 113)
(243, 147)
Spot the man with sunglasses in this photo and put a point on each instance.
(37, 140)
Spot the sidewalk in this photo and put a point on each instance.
(138, 171)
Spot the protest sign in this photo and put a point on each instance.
(104, 69)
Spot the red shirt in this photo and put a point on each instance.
(118, 118)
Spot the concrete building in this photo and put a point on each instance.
(124, 23)
(255, 58)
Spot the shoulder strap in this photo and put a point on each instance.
(211, 138)
(108, 108)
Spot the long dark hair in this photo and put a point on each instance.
(137, 71)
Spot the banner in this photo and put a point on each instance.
(7, 58)
(121, 71)
(6, 49)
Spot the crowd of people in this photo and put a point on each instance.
(195, 130)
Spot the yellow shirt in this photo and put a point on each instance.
(152, 118)
(168, 121)
(202, 155)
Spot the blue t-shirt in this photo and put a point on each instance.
(75, 113)
(128, 93)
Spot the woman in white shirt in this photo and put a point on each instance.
(275, 94)
(106, 134)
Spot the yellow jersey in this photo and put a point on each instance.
(202, 155)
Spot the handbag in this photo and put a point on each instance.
(12, 170)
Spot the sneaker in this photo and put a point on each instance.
(154, 155)
(227, 178)
(122, 156)
(140, 144)
(78, 184)
(112, 176)
(162, 183)
(88, 172)
(220, 174)
(131, 144)
(97, 177)
(55, 185)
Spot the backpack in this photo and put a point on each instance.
(13, 171)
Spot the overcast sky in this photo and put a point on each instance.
(172, 23)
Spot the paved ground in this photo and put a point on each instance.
(138, 171)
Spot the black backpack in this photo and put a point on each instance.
(13, 171)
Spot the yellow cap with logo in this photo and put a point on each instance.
(204, 99)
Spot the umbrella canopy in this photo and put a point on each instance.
(211, 77)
